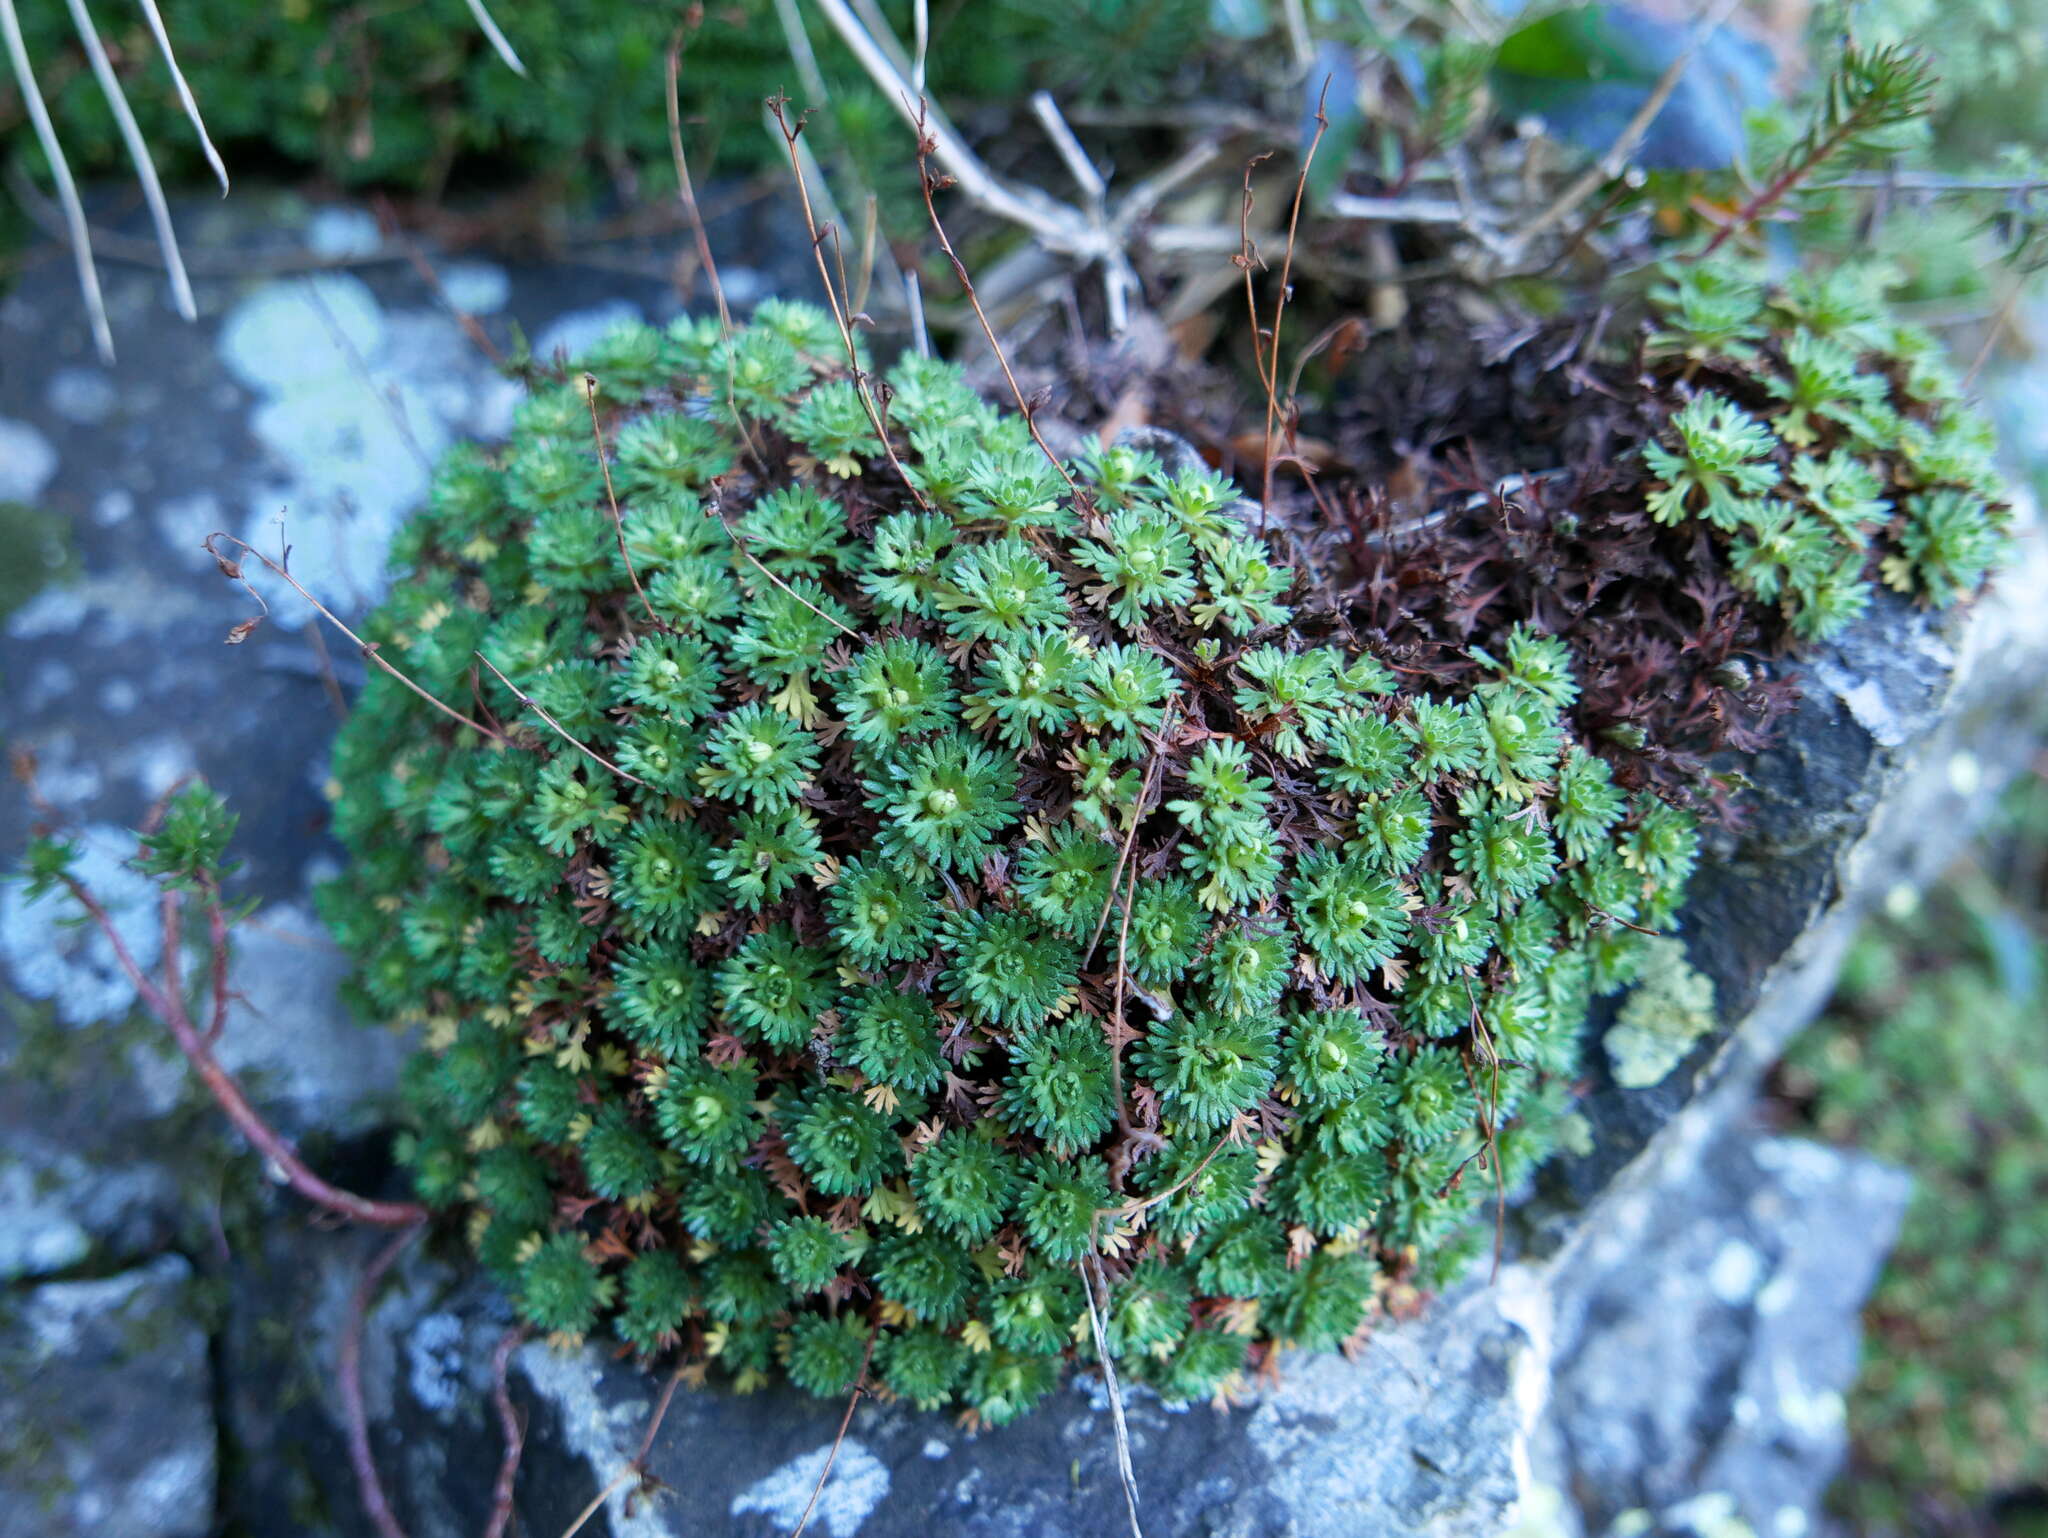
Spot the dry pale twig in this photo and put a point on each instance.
(1059, 227)
(60, 171)
(498, 40)
(138, 153)
(1125, 1472)
(1085, 236)
(798, 40)
(1120, 280)
(185, 98)
(1611, 163)
(1401, 210)
(913, 298)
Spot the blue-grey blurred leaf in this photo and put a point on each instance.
(2014, 953)
(1240, 18)
(1332, 80)
(1584, 72)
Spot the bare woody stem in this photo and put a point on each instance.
(349, 1376)
(163, 1000)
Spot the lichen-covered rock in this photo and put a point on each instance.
(106, 1408)
(1697, 1339)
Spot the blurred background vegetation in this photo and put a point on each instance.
(1932, 1054)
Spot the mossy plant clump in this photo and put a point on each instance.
(1826, 445)
(895, 876)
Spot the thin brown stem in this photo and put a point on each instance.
(846, 1420)
(349, 1376)
(472, 328)
(611, 497)
(514, 1433)
(1116, 1012)
(1248, 259)
(169, 1008)
(636, 1467)
(839, 301)
(930, 185)
(668, 1394)
(233, 571)
(561, 731)
(1490, 1126)
(1794, 172)
(217, 940)
(1145, 789)
(686, 190)
(739, 543)
(1144, 1204)
(329, 684)
(1280, 300)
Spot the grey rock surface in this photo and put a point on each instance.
(1420, 1434)
(106, 1412)
(1549, 1397)
(1696, 1343)
(1906, 727)
(305, 407)
(1695, 1335)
